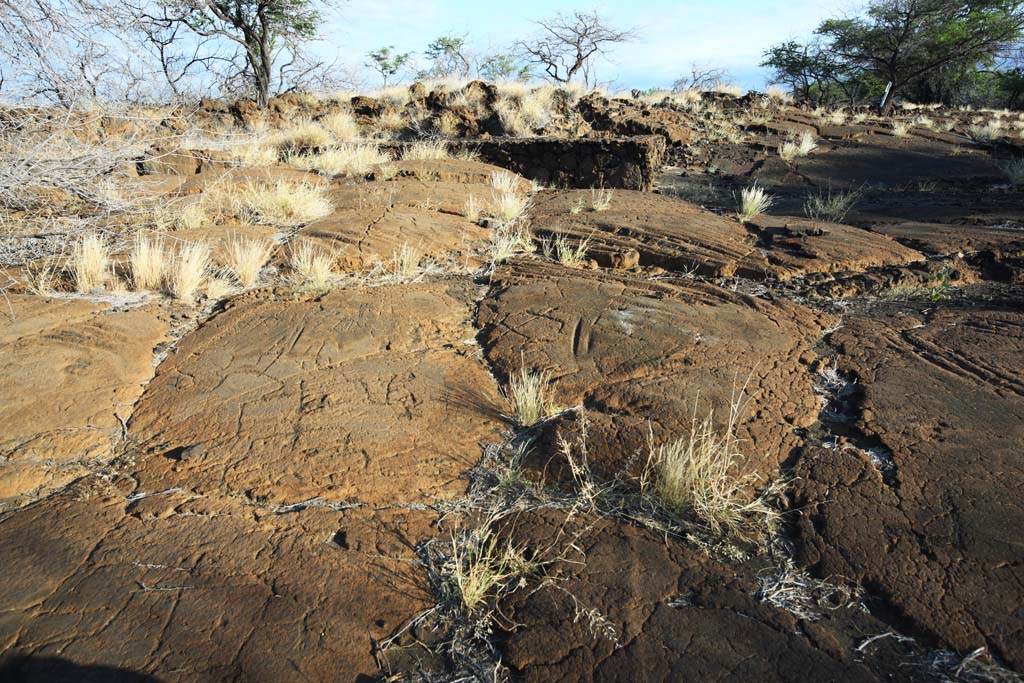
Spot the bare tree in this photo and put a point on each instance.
(567, 44)
(701, 78)
(57, 50)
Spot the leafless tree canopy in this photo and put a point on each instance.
(567, 44)
(701, 78)
(67, 51)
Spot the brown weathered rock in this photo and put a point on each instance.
(363, 395)
(638, 355)
(798, 246)
(626, 162)
(676, 235)
(630, 606)
(374, 220)
(70, 370)
(627, 118)
(665, 232)
(451, 171)
(191, 589)
(935, 523)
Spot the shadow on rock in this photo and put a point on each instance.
(27, 669)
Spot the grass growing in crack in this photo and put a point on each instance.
(481, 565)
(90, 263)
(189, 270)
(149, 261)
(469, 574)
(245, 258)
(600, 199)
(753, 201)
(508, 240)
(696, 474)
(795, 591)
(530, 395)
(833, 208)
(471, 209)
(569, 252)
(312, 265)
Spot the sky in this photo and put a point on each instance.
(672, 34)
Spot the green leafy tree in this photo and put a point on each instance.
(502, 66)
(814, 74)
(901, 41)
(448, 56)
(265, 31)
(387, 62)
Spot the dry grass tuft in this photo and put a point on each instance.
(427, 150)
(90, 263)
(344, 159)
(569, 252)
(471, 209)
(732, 90)
(193, 215)
(245, 258)
(304, 138)
(797, 146)
(218, 288)
(753, 201)
(149, 261)
(601, 200)
(284, 204)
(189, 270)
(696, 474)
(312, 265)
(341, 125)
(529, 394)
(779, 94)
(508, 240)
(507, 205)
(405, 262)
(901, 129)
(830, 207)
(988, 132)
(482, 565)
